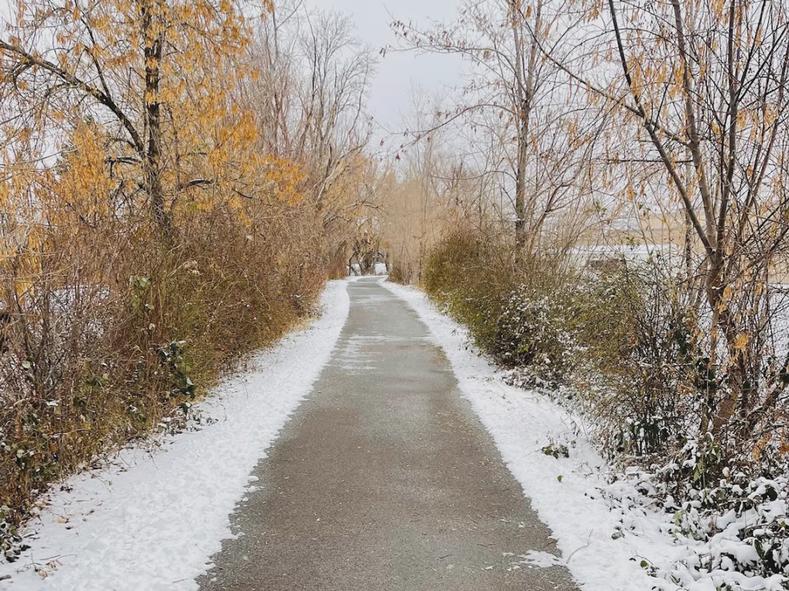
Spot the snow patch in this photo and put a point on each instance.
(541, 559)
(603, 549)
(151, 521)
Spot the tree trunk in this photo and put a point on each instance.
(739, 380)
(153, 36)
(524, 91)
(522, 125)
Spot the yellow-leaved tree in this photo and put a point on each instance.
(147, 71)
(150, 232)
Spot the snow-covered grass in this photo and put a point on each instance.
(151, 520)
(611, 536)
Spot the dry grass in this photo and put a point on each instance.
(108, 329)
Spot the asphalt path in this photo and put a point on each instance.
(385, 479)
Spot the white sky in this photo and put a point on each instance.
(400, 77)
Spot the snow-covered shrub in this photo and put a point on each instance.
(629, 347)
(10, 540)
(533, 331)
(556, 450)
(519, 310)
(733, 535)
(639, 349)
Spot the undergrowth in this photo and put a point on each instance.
(98, 354)
(625, 345)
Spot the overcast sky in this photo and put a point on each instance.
(400, 76)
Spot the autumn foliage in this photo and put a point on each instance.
(150, 231)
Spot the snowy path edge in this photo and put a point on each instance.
(564, 492)
(153, 520)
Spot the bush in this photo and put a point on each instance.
(518, 311)
(103, 343)
(534, 331)
(623, 338)
(627, 344)
(468, 276)
(638, 336)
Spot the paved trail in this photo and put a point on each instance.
(384, 480)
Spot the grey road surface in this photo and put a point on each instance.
(384, 479)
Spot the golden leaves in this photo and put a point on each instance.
(677, 81)
(205, 136)
(718, 7)
(5, 194)
(742, 118)
(741, 342)
(593, 13)
(728, 292)
(82, 190)
(63, 60)
(630, 192)
(286, 177)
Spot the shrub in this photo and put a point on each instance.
(401, 273)
(103, 343)
(468, 276)
(519, 311)
(533, 331)
(623, 338)
(628, 342)
(638, 336)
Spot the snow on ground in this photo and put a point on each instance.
(151, 521)
(604, 549)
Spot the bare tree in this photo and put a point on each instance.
(312, 91)
(706, 84)
(516, 96)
